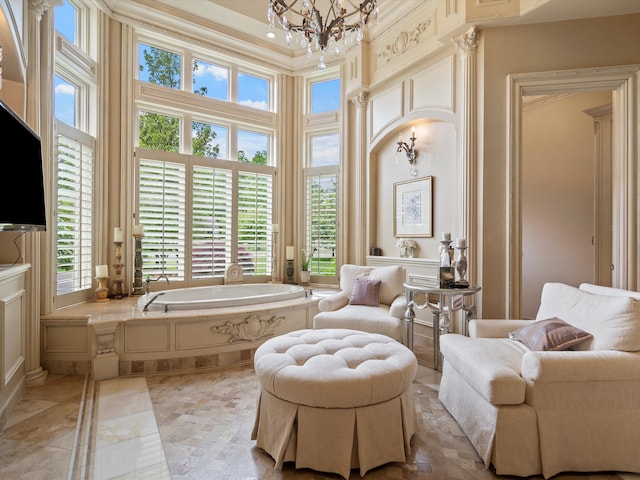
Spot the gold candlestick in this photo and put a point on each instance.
(102, 292)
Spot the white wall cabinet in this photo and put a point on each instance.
(12, 337)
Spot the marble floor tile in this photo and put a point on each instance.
(198, 427)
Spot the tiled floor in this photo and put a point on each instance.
(198, 427)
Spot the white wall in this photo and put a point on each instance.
(606, 41)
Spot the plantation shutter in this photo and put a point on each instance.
(161, 209)
(321, 221)
(255, 215)
(75, 191)
(212, 214)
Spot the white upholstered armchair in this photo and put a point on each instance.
(371, 299)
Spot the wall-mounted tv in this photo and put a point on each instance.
(22, 205)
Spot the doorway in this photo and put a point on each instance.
(621, 81)
(561, 188)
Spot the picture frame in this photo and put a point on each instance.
(413, 208)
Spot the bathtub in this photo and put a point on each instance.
(192, 334)
(219, 296)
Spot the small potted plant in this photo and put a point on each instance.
(406, 246)
(305, 266)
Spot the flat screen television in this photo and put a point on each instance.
(22, 205)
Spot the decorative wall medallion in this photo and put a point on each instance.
(249, 330)
(404, 41)
(106, 343)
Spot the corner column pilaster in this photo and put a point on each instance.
(359, 194)
(38, 100)
(467, 45)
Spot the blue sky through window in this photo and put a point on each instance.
(64, 93)
(214, 78)
(325, 96)
(252, 142)
(253, 91)
(65, 19)
(64, 98)
(325, 150)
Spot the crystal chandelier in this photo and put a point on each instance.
(341, 26)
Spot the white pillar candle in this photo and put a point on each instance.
(138, 230)
(275, 228)
(117, 235)
(446, 236)
(290, 253)
(102, 271)
(461, 242)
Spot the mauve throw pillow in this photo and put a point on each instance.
(365, 292)
(549, 334)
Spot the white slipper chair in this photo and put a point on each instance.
(371, 299)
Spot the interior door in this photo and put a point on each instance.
(561, 192)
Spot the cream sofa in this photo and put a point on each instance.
(530, 412)
(384, 315)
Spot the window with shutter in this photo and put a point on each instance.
(255, 217)
(161, 209)
(212, 228)
(321, 219)
(226, 207)
(74, 210)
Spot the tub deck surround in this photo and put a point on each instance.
(118, 338)
(219, 296)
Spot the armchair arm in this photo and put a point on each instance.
(398, 306)
(484, 328)
(581, 366)
(333, 302)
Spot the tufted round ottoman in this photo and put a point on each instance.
(335, 399)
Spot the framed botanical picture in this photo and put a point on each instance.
(412, 205)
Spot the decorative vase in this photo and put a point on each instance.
(406, 252)
(305, 277)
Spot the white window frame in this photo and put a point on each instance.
(76, 64)
(321, 124)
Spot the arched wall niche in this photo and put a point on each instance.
(437, 152)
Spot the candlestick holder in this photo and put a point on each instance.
(102, 292)
(461, 268)
(137, 273)
(275, 267)
(447, 274)
(117, 291)
(289, 271)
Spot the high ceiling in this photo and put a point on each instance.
(249, 17)
(552, 11)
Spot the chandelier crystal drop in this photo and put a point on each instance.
(340, 27)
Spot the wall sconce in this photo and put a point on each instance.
(409, 151)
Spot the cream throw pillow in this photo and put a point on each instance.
(614, 321)
(391, 280)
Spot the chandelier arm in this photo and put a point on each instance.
(316, 30)
(365, 10)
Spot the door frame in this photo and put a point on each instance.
(622, 81)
